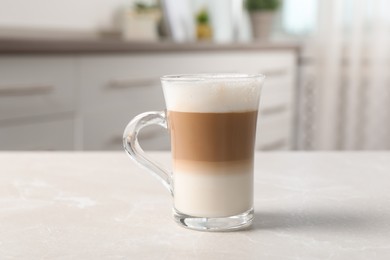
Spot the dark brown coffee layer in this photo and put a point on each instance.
(212, 137)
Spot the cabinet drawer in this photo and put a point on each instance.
(271, 102)
(274, 132)
(43, 135)
(129, 83)
(36, 86)
(103, 130)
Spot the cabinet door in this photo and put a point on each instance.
(114, 90)
(53, 134)
(274, 132)
(104, 132)
(31, 86)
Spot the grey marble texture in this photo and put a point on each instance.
(102, 206)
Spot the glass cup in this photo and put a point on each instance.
(212, 123)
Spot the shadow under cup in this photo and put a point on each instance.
(212, 121)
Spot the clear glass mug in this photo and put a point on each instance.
(212, 123)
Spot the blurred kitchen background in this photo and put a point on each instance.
(73, 73)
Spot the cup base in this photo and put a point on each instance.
(231, 223)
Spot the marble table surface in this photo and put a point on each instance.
(321, 205)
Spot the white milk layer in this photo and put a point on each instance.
(217, 192)
(232, 94)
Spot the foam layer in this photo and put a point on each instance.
(213, 94)
(213, 189)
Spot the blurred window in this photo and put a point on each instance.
(299, 17)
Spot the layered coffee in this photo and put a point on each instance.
(213, 131)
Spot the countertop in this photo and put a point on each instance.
(320, 205)
(93, 46)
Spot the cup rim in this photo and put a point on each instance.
(210, 76)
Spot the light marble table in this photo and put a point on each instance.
(102, 206)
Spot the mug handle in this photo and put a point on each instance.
(134, 150)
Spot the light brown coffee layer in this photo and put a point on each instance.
(198, 167)
(212, 137)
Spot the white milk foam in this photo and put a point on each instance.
(213, 189)
(213, 195)
(213, 94)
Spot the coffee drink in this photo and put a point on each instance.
(213, 129)
(212, 122)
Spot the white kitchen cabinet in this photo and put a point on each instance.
(116, 88)
(38, 134)
(103, 130)
(31, 86)
(100, 93)
(38, 102)
(274, 132)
